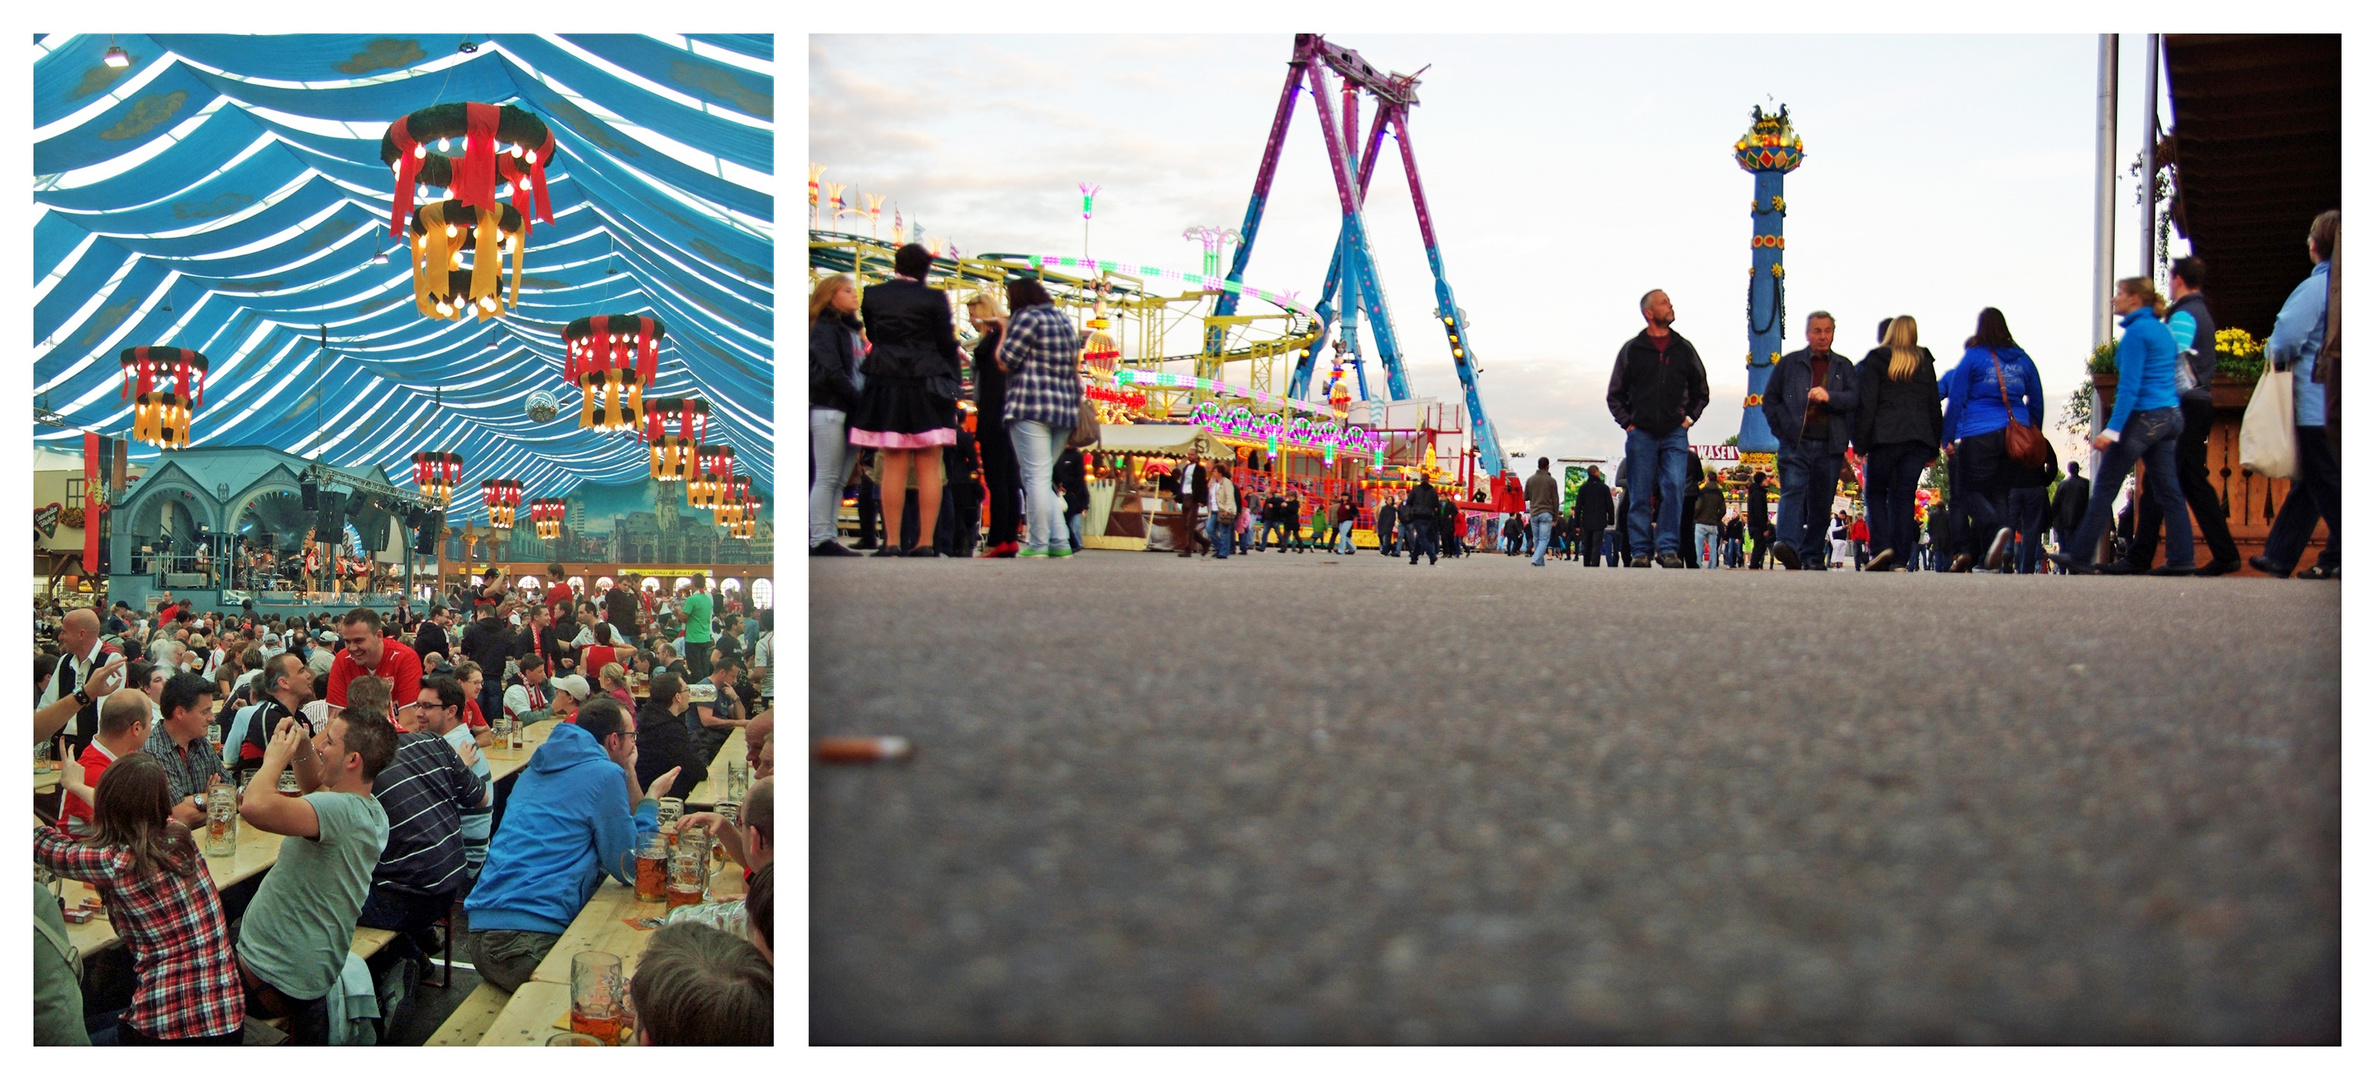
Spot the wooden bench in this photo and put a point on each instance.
(469, 1021)
(367, 943)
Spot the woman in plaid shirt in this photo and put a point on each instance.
(1041, 354)
(162, 901)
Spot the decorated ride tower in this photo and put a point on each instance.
(1770, 151)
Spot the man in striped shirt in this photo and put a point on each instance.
(425, 790)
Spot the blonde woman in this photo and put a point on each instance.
(836, 342)
(1898, 430)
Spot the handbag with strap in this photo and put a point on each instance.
(1087, 432)
(2025, 445)
(2265, 443)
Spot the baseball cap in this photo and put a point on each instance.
(574, 684)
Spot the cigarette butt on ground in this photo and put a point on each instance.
(863, 751)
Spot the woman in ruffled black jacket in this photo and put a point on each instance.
(835, 346)
(907, 409)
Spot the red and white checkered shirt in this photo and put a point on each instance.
(181, 951)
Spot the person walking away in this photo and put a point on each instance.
(1656, 392)
(1757, 530)
(2294, 345)
(1273, 522)
(1041, 355)
(1994, 383)
(1898, 429)
(836, 345)
(1708, 516)
(2195, 331)
(2144, 426)
(1811, 401)
(1224, 513)
(1386, 514)
(1000, 475)
(2069, 508)
(1072, 481)
(2027, 509)
(1347, 515)
(1419, 521)
(1542, 507)
(907, 408)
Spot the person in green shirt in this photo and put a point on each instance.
(696, 628)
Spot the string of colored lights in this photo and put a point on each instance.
(1325, 436)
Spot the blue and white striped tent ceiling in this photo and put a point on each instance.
(224, 193)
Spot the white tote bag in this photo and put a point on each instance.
(2266, 442)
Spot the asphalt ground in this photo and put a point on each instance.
(1321, 799)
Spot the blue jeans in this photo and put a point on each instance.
(1710, 545)
(1224, 535)
(1072, 522)
(2150, 436)
(1344, 538)
(1036, 447)
(828, 445)
(1542, 521)
(1656, 463)
(1809, 478)
(2316, 493)
(1419, 536)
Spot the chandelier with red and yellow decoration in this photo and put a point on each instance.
(706, 488)
(499, 144)
(435, 472)
(612, 358)
(734, 504)
(672, 456)
(748, 526)
(548, 514)
(165, 385)
(503, 502)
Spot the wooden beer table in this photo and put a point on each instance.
(256, 852)
(710, 790)
(503, 761)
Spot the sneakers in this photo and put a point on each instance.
(1786, 555)
(1060, 551)
(1669, 560)
(1027, 551)
(1997, 547)
(832, 548)
(1001, 551)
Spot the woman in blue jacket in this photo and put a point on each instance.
(1994, 379)
(2294, 345)
(2144, 425)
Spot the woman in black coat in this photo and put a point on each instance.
(834, 349)
(907, 409)
(1001, 474)
(1898, 427)
(1594, 509)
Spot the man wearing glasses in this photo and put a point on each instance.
(440, 708)
(369, 653)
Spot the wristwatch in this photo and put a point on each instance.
(82, 696)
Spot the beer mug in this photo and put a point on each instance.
(737, 780)
(688, 876)
(651, 869)
(288, 782)
(502, 725)
(597, 996)
(519, 735)
(222, 819)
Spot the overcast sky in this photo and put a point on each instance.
(1567, 176)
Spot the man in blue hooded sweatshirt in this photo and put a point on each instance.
(575, 815)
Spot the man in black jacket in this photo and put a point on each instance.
(1760, 521)
(1656, 393)
(488, 643)
(1418, 521)
(1810, 403)
(2199, 353)
(2069, 507)
(1386, 516)
(1191, 485)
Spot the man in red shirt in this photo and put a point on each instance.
(558, 592)
(369, 653)
(123, 728)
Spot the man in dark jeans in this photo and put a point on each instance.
(1810, 403)
(1657, 391)
(2196, 334)
(2069, 508)
(1418, 522)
